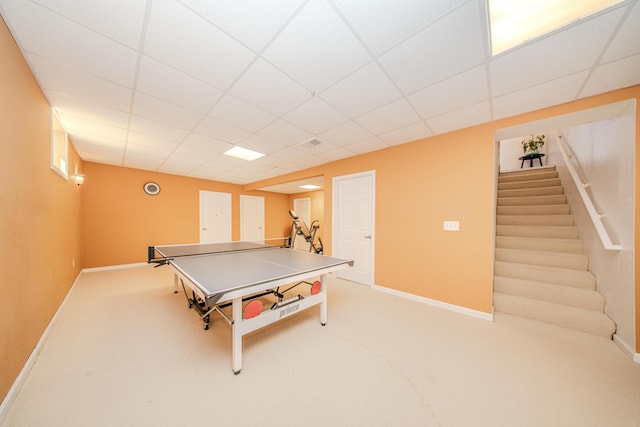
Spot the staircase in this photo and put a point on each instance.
(540, 270)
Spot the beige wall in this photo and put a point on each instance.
(39, 216)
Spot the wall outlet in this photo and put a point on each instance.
(451, 226)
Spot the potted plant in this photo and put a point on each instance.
(533, 143)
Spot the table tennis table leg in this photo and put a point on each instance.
(175, 283)
(236, 332)
(323, 304)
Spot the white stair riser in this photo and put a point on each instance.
(540, 244)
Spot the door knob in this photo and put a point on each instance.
(367, 237)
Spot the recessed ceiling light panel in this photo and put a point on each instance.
(243, 153)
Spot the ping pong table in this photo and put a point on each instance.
(215, 276)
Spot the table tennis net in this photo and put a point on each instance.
(161, 254)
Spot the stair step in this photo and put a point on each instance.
(545, 173)
(540, 244)
(528, 192)
(589, 321)
(557, 199)
(539, 273)
(544, 231)
(545, 258)
(534, 220)
(534, 210)
(510, 185)
(557, 294)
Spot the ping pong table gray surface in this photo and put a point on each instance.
(223, 267)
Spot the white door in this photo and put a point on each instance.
(215, 217)
(252, 218)
(303, 209)
(354, 223)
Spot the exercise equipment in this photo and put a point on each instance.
(299, 228)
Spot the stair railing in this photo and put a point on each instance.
(596, 217)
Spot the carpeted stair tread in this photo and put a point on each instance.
(534, 210)
(527, 175)
(534, 183)
(554, 199)
(537, 243)
(549, 292)
(528, 192)
(539, 273)
(545, 258)
(534, 220)
(589, 321)
(545, 231)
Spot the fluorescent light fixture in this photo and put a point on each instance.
(514, 22)
(243, 153)
(309, 187)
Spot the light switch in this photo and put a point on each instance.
(451, 226)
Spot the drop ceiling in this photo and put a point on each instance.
(169, 85)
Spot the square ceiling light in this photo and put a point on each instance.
(243, 153)
(514, 22)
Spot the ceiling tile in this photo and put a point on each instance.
(92, 150)
(151, 127)
(453, 44)
(389, 117)
(367, 145)
(206, 143)
(284, 133)
(252, 22)
(317, 48)
(216, 129)
(170, 114)
(184, 90)
(546, 59)
(269, 89)
(89, 111)
(160, 144)
(79, 125)
(386, 23)
(240, 114)
(69, 81)
(195, 46)
(345, 134)
(337, 153)
(615, 75)
(315, 116)
(627, 40)
(460, 119)
(355, 95)
(120, 20)
(460, 91)
(261, 144)
(45, 33)
(540, 96)
(405, 134)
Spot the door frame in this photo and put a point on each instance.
(335, 219)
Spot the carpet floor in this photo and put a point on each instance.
(126, 351)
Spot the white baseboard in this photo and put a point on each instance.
(451, 307)
(114, 267)
(19, 381)
(626, 348)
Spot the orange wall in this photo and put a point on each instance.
(445, 177)
(39, 216)
(119, 220)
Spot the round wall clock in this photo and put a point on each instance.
(151, 188)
